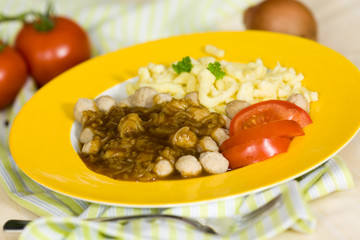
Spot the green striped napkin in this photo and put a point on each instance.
(113, 24)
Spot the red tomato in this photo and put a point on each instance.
(13, 74)
(281, 128)
(54, 51)
(268, 111)
(255, 151)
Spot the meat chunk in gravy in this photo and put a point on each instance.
(143, 140)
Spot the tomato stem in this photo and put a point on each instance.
(42, 22)
(20, 17)
(45, 22)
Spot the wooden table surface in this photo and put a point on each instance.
(337, 214)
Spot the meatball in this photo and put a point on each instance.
(143, 97)
(300, 101)
(188, 166)
(124, 103)
(83, 104)
(86, 135)
(163, 168)
(220, 135)
(214, 162)
(184, 138)
(162, 97)
(105, 103)
(193, 98)
(227, 120)
(92, 147)
(207, 144)
(233, 107)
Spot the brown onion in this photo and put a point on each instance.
(284, 16)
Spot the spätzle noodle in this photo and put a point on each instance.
(252, 82)
(214, 51)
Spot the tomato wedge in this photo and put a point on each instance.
(268, 111)
(255, 151)
(282, 128)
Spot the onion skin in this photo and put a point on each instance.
(283, 16)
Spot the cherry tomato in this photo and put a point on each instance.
(268, 111)
(49, 53)
(281, 128)
(255, 151)
(13, 74)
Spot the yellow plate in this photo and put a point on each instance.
(40, 136)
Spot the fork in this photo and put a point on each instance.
(217, 226)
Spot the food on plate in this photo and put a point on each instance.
(143, 97)
(277, 128)
(143, 139)
(214, 51)
(188, 166)
(219, 82)
(215, 69)
(184, 65)
(256, 150)
(193, 118)
(214, 162)
(207, 144)
(13, 74)
(86, 135)
(284, 16)
(268, 111)
(163, 168)
(83, 104)
(220, 135)
(263, 130)
(300, 101)
(105, 103)
(233, 107)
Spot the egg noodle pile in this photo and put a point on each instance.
(251, 82)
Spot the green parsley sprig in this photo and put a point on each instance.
(215, 68)
(184, 65)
